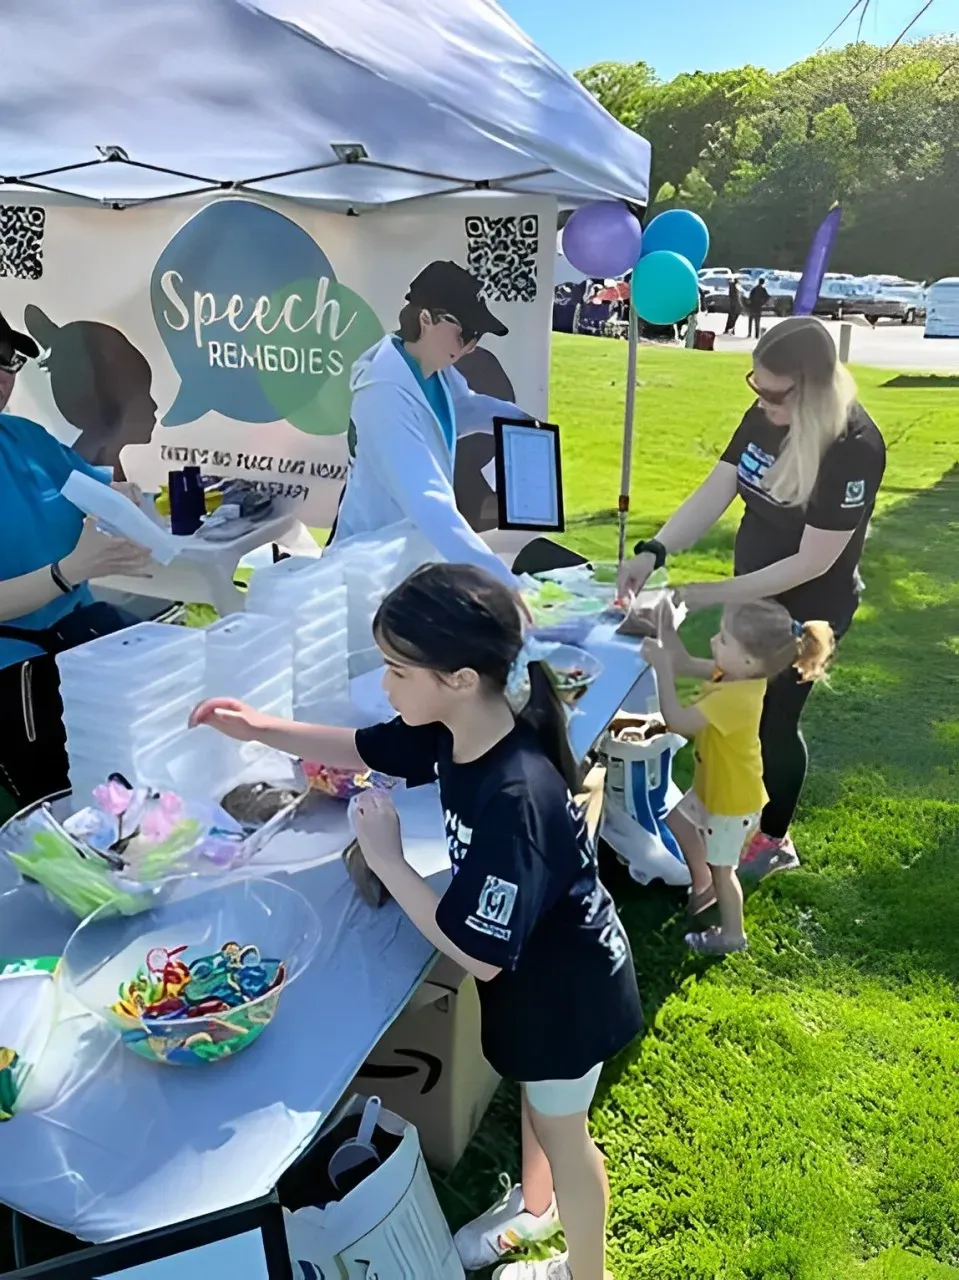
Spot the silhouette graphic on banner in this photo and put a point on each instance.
(100, 382)
(474, 496)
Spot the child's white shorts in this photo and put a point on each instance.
(725, 837)
(563, 1097)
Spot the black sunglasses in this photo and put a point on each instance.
(769, 397)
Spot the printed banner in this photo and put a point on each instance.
(223, 333)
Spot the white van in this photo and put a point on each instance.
(942, 308)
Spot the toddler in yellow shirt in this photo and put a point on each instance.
(756, 643)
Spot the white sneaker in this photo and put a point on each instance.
(548, 1269)
(503, 1229)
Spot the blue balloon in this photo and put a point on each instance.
(679, 231)
(665, 288)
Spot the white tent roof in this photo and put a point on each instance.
(253, 94)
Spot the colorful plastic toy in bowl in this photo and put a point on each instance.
(344, 784)
(574, 670)
(198, 976)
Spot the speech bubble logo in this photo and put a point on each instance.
(214, 293)
(309, 384)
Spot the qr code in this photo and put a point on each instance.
(502, 253)
(21, 241)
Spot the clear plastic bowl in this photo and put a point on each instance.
(108, 949)
(574, 669)
(10, 877)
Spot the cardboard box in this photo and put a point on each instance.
(429, 1067)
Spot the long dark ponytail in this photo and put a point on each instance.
(448, 617)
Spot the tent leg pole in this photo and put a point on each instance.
(628, 417)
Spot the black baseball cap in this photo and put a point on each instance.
(446, 286)
(13, 343)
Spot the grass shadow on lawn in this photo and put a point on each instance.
(776, 1120)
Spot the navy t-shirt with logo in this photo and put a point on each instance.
(525, 897)
(850, 473)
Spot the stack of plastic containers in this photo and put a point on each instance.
(250, 656)
(373, 564)
(126, 695)
(311, 596)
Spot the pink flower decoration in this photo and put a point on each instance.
(113, 798)
(161, 817)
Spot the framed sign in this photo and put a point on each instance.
(245, 1243)
(529, 475)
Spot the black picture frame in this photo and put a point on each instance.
(504, 521)
(102, 1261)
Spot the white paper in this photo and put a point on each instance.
(489, 473)
(121, 516)
(532, 488)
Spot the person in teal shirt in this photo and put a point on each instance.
(48, 553)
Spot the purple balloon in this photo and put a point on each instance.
(603, 239)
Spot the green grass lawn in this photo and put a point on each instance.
(792, 1112)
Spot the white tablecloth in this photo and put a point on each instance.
(129, 1146)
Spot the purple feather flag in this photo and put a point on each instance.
(817, 260)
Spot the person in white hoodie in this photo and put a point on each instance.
(409, 406)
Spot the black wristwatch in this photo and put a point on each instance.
(651, 548)
(56, 573)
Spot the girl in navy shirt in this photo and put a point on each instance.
(525, 912)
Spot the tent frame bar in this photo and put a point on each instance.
(116, 155)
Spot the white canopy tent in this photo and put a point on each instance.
(352, 103)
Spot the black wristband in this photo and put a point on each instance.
(651, 548)
(56, 573)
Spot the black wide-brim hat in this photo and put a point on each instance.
(446, 286)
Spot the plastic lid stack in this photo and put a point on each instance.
(310, 595)
(250, 656)
(373, 564)
(126, 694)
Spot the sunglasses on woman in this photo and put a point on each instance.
(466, 335)
(767, 396)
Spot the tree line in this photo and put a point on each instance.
(762, 156)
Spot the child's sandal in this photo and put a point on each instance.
(700, 902)
(711, 942)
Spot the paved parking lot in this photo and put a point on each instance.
(888, 346)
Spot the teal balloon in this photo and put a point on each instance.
(665, 288)
(678, 231)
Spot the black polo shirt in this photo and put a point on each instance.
(844, 497)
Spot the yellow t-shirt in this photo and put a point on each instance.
(729, 764)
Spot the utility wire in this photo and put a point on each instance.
(859, 4)
(909, 25)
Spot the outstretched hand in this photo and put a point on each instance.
(229, 716)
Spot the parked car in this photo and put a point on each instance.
(753, 274)
(715, 271)
(714, 291)
(781, 287)
(895, 298)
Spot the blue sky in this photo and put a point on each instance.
(708, 35)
